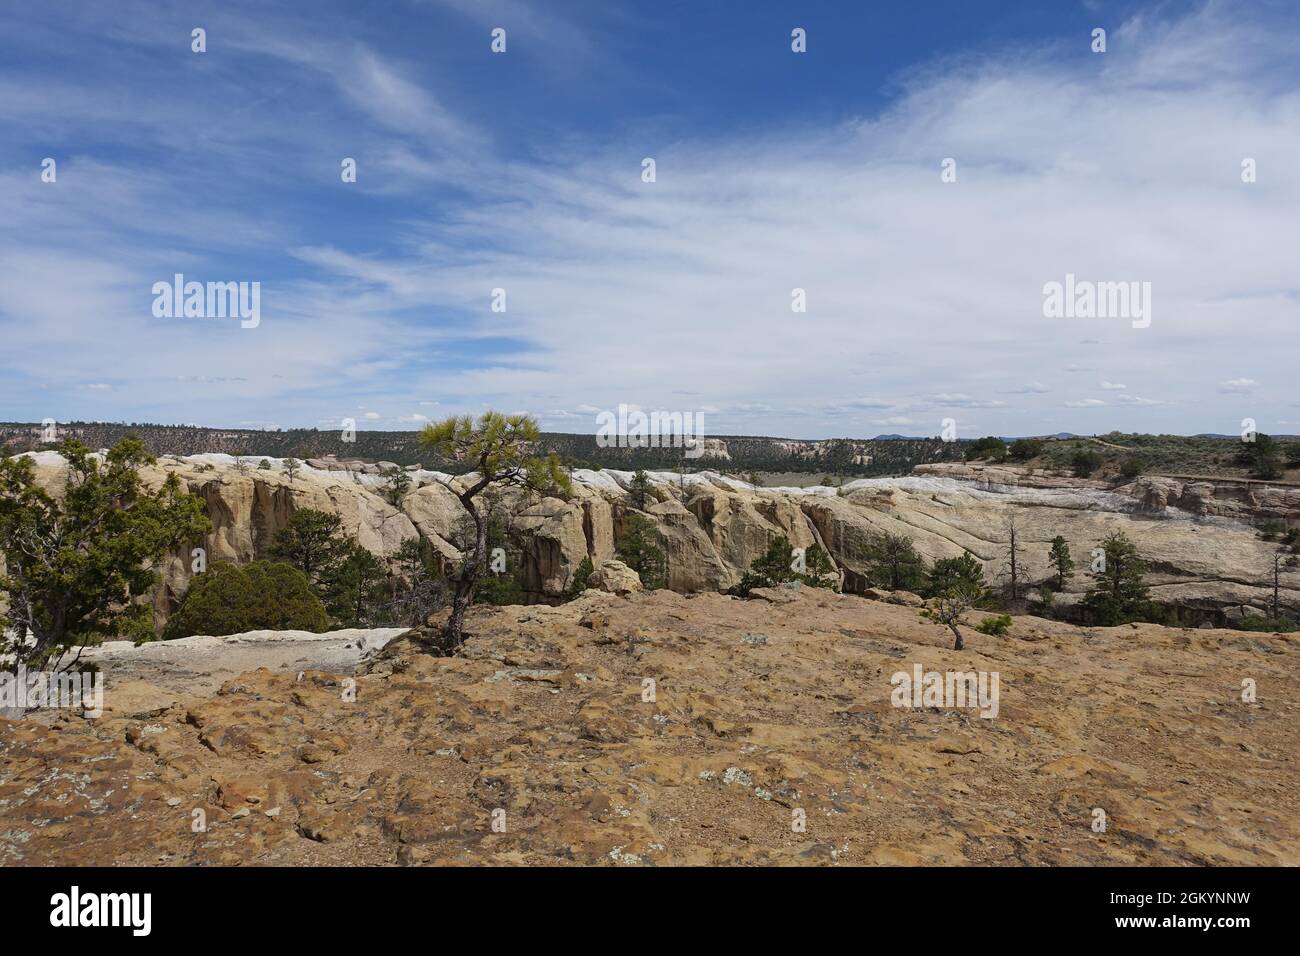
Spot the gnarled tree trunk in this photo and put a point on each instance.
(472, 569)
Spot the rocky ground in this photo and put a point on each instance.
(760, 708)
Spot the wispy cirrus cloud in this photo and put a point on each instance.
(923, 297)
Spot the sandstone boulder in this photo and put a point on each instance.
(615, 577)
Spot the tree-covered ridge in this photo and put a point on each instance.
(843, 456)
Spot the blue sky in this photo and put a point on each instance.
(775, 171)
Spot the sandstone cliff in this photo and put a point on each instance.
(711, 528)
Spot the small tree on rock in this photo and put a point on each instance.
(947, 573)
(396, 483)
(499, 448)
(948, 609)
(639, 490)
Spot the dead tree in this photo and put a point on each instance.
(1015, 570)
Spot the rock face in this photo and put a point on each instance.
(1241, 499)
(773, 736)
(711, 527)
(1238, 499)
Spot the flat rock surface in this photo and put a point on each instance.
(201, 664)
(761, 712)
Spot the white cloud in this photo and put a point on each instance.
(618, 288)
(1030, 388)
(1238, 385)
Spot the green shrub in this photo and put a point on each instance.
(997, 626)
(1263, 456)
(1276, 625)
(990, 447)
(265, 595)
(499, 590)
(1085, 462)
(1130, 467)
(1023, 449)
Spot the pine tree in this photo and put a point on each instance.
(819, 567)
(500, 449)
(312, 542)
(396, 483)
(637, 549)
(947, 573)
(639, 490)
(1062, 563)
(894, 564)
(354, 587)
(1119, 593)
